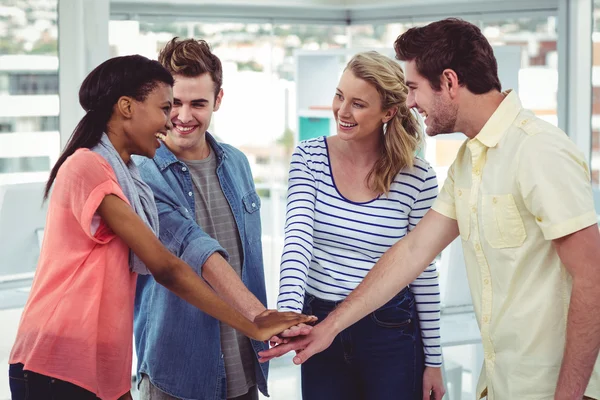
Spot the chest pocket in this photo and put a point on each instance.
(502, 223)
(252, 217)
(461, 201)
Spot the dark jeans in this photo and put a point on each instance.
(27, 385)
(378, 358)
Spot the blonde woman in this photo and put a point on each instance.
(350, 198)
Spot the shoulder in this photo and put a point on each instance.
(84, 162)
(541, 138)
(312, 149)
(146, 166)
(421, 170)
(233, 152)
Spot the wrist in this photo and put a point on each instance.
(255, 313)
(332, 325)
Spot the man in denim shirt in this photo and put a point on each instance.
(209, 214)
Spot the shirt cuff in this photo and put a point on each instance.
(572, 225)
(445, 209)
(196, 254)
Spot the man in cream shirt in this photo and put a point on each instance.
(519, 195)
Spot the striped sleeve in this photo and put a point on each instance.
(426, 287)
(298, 244)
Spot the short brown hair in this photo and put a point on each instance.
(192, 58)
(451, 44)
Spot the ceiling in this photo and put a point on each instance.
(322, 11)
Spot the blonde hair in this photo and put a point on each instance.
(402, 136)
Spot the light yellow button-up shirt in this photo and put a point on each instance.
(519, 184)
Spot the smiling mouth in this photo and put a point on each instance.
(185, 129)
(346, 125)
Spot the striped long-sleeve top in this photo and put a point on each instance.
(331, 243)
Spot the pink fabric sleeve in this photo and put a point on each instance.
(81, 184)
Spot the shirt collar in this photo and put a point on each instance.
(165, 157)
(501, 120)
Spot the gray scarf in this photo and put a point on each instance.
(135, 189)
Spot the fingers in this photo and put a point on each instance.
(301, 318)
(303, 355)
(427, 395)
(296, 330)
(281, 349)
(439, 392)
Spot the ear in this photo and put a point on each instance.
(449, 82)
(125, 106)
(389, 114)
(218, 100)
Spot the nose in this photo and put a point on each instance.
(185, 114)
(345, 109)
(410, 100)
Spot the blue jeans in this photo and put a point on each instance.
(378, 358)
(27, 385)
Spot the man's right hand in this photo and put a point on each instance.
(319, 338)
(271, 322)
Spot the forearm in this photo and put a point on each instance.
(583, 340)
(398, 267)
(227, 284)
(394, 271)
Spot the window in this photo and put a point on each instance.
(29, 138)
(28, 89)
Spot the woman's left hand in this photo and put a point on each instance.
(433, 384)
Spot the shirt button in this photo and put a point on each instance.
(486, 281)
(524, 122)
(184, 169)
(476, 172)
(460, 192)
(186, 210)
(485, 319)
(254, 205)
(190, 194)
(539, 219)
(495, 200)
(477, 247)
(474, 209)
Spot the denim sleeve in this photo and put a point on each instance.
(179, 232)
(185, 238)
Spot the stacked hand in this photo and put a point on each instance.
(272, 322)
(304, 340)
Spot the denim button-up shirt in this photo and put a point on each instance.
(177, 345)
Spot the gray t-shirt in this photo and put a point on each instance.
(214, 215)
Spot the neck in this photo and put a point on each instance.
(362, 152)
(116, 137)
(199, 151)
(478, 110)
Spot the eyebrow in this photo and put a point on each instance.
(355, 98)
(409, 83)
(193, 101)
(168, 103)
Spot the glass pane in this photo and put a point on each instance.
(29, 102)
(29, 141)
